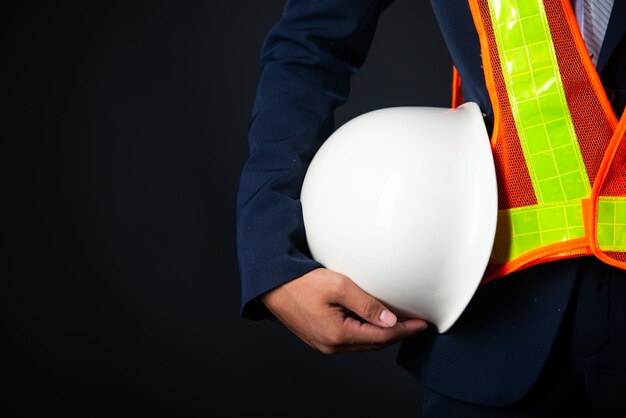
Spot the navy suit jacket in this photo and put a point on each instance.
(306, 63)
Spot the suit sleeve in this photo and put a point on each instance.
(306, 63)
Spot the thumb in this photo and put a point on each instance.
(366, 306)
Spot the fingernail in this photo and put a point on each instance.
(388, 318)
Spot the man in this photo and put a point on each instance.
(543, 341)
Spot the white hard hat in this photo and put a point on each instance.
(403, 201)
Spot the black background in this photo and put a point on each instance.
(123, 128)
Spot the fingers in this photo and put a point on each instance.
(362, 333)
(355, 335)
(364, 305)
(381, 329)
(314, 308)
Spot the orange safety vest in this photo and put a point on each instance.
(559, 151)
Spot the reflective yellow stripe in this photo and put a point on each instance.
(538, 103)
(523, 229)
(545, 129)
(611, 225)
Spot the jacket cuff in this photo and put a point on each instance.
(268, 277)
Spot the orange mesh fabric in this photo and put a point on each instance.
(457, 92)
(515, 188)
(614, 184)
(613, 178)
(620, 257)
(594, 120)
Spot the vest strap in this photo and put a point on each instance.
(555, 142)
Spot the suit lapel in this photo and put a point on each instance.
(614, 32)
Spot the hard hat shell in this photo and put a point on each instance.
(404, 202)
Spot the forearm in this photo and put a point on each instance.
(306, 63)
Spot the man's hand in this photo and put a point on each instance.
(314, 308)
